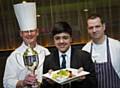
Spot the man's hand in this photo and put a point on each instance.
(47, 79)
(30, 79)
(79, 70)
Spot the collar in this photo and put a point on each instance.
(25, 46)
(105, 39)
(68, 52)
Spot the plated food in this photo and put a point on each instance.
(64, 76)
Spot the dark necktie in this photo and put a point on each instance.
(63, 62)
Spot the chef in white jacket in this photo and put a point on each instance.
(16, 75)
(105, 52)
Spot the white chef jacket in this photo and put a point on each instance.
(15, 69)
(114, 46)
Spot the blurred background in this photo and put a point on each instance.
(74, 12)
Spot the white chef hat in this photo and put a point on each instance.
(26, 15)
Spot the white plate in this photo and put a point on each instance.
(65, 80)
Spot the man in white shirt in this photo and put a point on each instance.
(74, 58)
(16, 74)
(105, 53)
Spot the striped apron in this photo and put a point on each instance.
(106, 75)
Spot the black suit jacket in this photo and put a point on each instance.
(79, 59)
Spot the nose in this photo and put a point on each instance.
(29, 32)
(61, 40)
(94, 29)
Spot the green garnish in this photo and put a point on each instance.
(61, 74)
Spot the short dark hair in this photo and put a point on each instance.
(60, 27)
(95, 15)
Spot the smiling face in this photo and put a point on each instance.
(62, 41)
(29, 37)
(96, 29)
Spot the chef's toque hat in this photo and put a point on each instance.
(26, 15)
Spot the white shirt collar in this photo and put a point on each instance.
(68, 52)
(25, 46)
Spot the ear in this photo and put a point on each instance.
(38, 31)
(20, 32)
(104, 26)
(71, 39)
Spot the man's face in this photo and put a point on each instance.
(62, 41)
(95, 28)
(29, 37)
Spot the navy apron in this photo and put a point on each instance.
(106, 75)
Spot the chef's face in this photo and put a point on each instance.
(62, 41)
(29, 37)
(96, 28)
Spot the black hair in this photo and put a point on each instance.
(95, 15)
(60, 27)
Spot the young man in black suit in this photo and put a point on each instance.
(74, 58)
